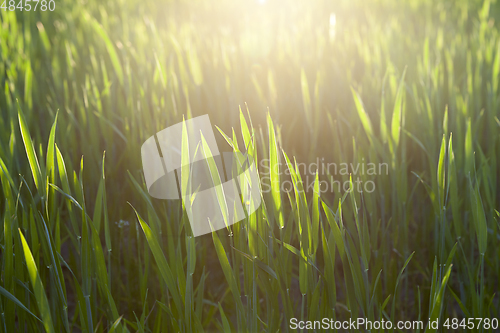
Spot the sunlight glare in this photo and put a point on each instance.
(333, 22)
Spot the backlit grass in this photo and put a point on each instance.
(414, 85)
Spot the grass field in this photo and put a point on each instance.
(411, 87)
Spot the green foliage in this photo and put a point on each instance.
(413, 86)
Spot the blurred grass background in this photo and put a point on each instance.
(413, 84)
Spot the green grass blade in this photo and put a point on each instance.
(30, 151)
(38, 289)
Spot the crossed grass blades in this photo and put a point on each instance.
(415, 85)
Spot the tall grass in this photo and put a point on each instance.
(415, 85)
